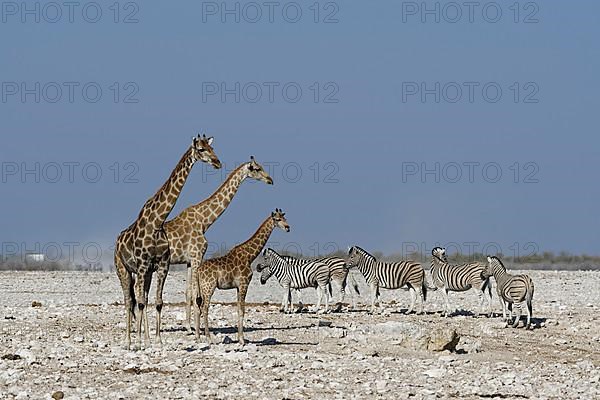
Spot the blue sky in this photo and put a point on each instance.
(366, 131)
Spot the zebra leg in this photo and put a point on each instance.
(529, 313)
(446, 301)
(318, 305)
(373, 297)
(422, 303)
(284, 302)
(413, 295)
(342, 296)
(510, 313)
(517, 315)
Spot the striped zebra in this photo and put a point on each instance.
(379, 274)
(459, 278)
(299, 275)
(511, 289)
(338, 273)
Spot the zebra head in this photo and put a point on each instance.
(265, 267)
(279, 219)
(440, 253)
(256, 171)
(353, 258)
(494, 264)
(266, 272)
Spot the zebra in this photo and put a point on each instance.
(338, 274)
(511, 289)
(379, 274)
(459, 278)
(295, 276)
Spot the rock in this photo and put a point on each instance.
(381, 386)
(435, 373)
(22, 396)
(413, 336)
(11, 357)
(36, 304)
(58, 395)
(443, 339)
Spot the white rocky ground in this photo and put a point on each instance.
(71, 345)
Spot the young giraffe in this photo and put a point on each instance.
(143, 247)
(186, 231)
(232, 270)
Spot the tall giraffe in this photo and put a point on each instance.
(233, 270)
(143, 247)
(186, 231)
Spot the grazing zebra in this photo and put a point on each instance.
(299, 275)
(459, 278)
(379, 274)
(338, 274)
(511, 289)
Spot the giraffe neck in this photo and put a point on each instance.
(252, 247)
(208, 211)
(158, 207)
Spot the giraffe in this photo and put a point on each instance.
(186, 231)
(143, 247)
(232, 270)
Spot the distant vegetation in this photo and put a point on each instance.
(542, 261)
(17, 263)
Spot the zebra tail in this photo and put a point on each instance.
(330, 290)
(424, 289)
(530, 297)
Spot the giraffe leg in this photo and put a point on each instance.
(188, 297)
(242, 290)
(126, 284)
(197, 295)
(161, 276)
(147, 283)
(141, 302)
(207, 292)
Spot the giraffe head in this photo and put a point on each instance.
(256, 171)
(440, 253)
(202, 151)
(278, 217)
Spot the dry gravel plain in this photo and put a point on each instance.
(71, 345)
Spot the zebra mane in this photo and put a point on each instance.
(363, 252)
(494, 259)
(270, 252)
